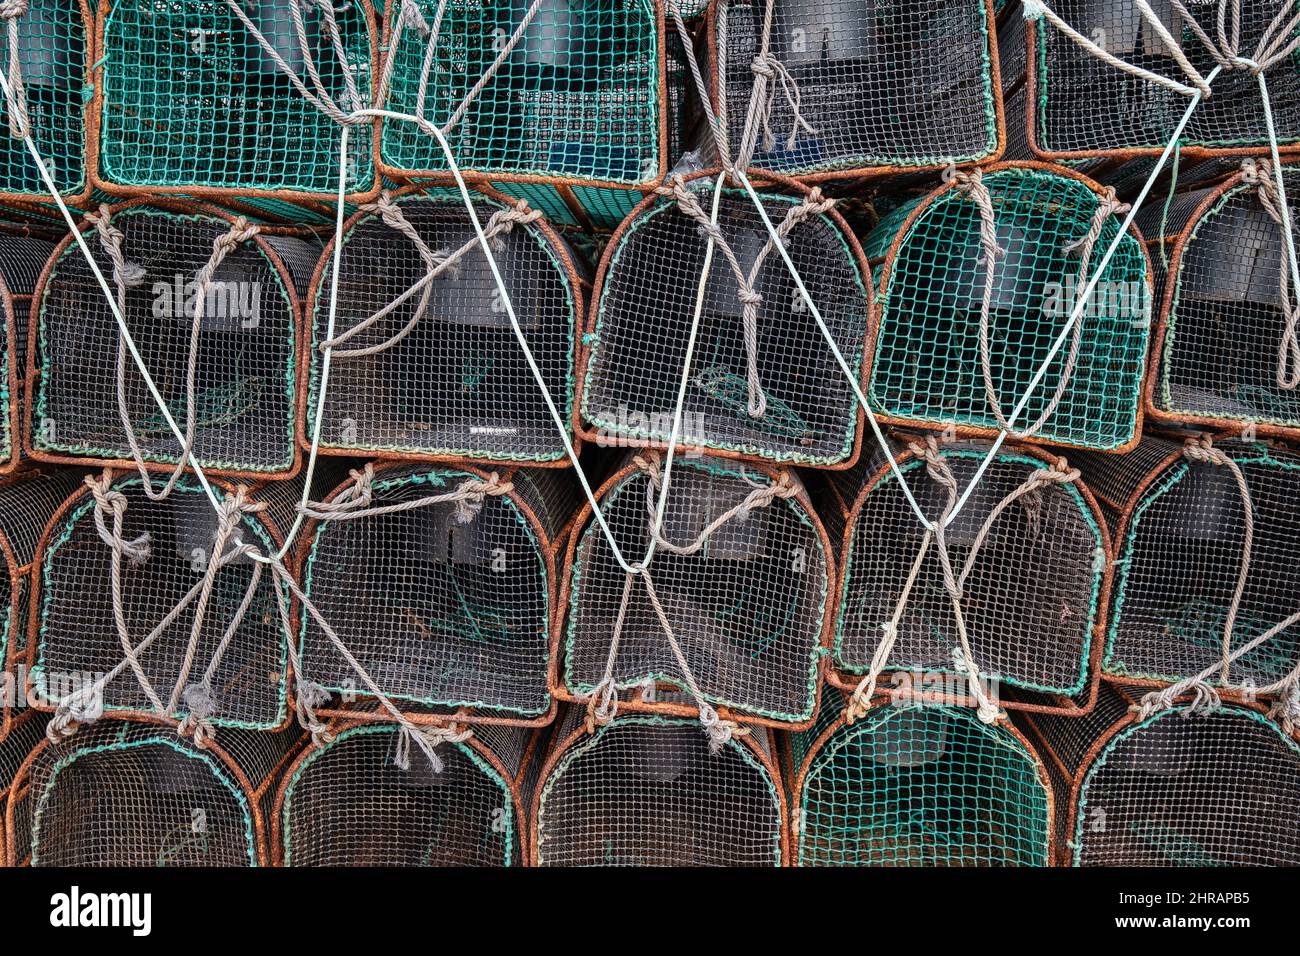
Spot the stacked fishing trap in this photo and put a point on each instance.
(649, 433)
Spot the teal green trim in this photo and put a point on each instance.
(219, 773)
(511, 825)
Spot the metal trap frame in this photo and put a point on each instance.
(246, 372)
(161, 73)
(441, 376)
(656, 795)
(763, 386)
(744, 576)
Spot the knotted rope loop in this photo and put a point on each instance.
(128, 275)
(767, 67)
(940, 471)
(11, 11)
(110, 501)
(1258, 175)
(437, 263)
(428, 739)
(357, 501)
(762, 496)
(1202, 451)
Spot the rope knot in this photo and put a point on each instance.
(719, 731)
(602, 704)
(109, 500)
(503, 221)
(428, 739)
(472, 492)
(12, 9)
(1201, 450)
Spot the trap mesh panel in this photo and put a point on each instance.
(125, 794)
(440, 612)
(1030, 599)
(346, 803)
(646, 791)
(1180, 532)
(77, 641)
(27, 502)
(21, 261)
(927, 368)
(189, 99)
(639, 330)
(1176, 789)
(895, 84)
(52, 68)
(923, 786)
(244, 385)
(1083, 106)
(748, 608)
(578, 98)
(1223, 323)
(14, 749)
(459, 384)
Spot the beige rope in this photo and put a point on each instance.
(310, 695)
(1038, 10)
(85, 705)
(128, 275)
(602, 702)
(355, 501)
(11, 11)
(814, 204)
(937, 467)
(1202, 451)
(1258, 175)
(502, 222)
(972, 184)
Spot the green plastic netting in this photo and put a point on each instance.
(52, 73)
(577, 96)
(854, 86)
(1085, 106)
(922, 786)
(347, 803)
(928, 370)
(123, 794)
(189, 99)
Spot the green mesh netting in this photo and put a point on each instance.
(927, 366)
(52, 62)
(923, 786)
(576, 98)
(192, 99)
